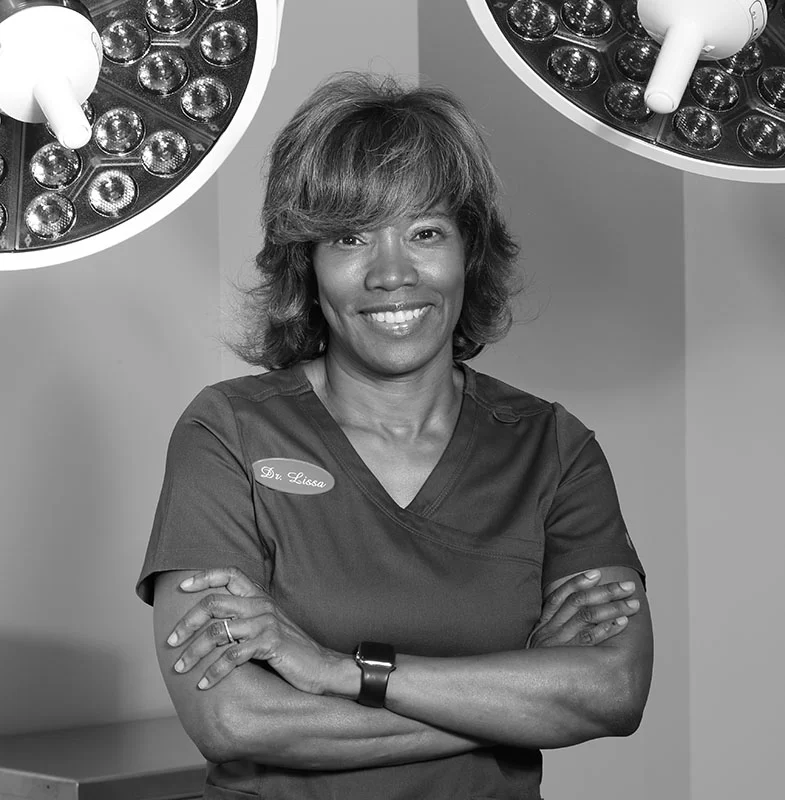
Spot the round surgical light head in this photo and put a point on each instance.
(695, 84)
(113, 113)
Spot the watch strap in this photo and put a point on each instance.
(377, 661)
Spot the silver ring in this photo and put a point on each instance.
(231, 639)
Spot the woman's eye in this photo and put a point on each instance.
(427, 235)
(348, 240)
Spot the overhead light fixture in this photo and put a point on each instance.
(113, 113)
(695, 84)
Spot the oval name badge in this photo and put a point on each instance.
(292, 476)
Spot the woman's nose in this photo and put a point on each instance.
(391, 268)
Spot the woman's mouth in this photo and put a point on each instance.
(392, 317)
(397, 323)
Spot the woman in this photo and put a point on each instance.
(419, 552)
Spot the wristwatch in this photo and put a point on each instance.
(376, 661)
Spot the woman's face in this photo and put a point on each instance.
(392, 296)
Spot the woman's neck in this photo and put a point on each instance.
(399, 407)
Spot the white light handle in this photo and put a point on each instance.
(57, 99)
(677, 58)
(50, 57)
(690, 30)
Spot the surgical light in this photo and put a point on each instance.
(114, 112)
(695, 84)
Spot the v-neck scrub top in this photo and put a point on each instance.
(521, 496)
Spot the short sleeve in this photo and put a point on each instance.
(584, 527)
(205, 515)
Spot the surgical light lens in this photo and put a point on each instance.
(223, 42)
(714, 89)
(574, 67)
(163, 72)
(625, 101)
(629, 20)
(697, 128)
(219, 4)
(771, 85)
(636, 59)
(170, 16)
(587, 17)
(50, 216)
(532, 20)
(118, 131)
(54, 166)
(204, 99)
(125, 41)
(111, 192)
(165, 153)
(748, 60)
(762, 137)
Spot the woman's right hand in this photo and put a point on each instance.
(581, 612)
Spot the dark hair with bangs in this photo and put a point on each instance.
(360, 153)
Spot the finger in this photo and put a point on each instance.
(233, 578)
(261, 648)
(589, 616)
(598, 595)
(215, 606)
(219, 633)
(554, 601)
(607, 592)
(588, 637)
(586, 618)
(232, 657)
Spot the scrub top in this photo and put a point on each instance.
(260, 476)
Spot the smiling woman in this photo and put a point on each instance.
(358, 155)
(375, 571)
(417, 265)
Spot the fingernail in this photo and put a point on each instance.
(634, 604)
(202, 684)
(172, 640)
(621, 621)
(628, 586)
(186, 583)
(179, 666)
(592, 574)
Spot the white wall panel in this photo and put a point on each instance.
(735, 267)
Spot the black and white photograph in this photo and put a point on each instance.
(391, 399)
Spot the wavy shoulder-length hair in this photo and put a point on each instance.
(360, 153)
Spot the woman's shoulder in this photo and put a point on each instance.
(495, 394)
(222, 398)
(257, 386)
(511, 403)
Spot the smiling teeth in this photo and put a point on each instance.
(391, 317)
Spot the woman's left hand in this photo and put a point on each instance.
(260, 629)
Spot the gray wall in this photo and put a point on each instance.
(608, 342)
(98, 357)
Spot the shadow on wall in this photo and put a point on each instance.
(46, 685)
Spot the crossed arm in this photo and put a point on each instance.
(293, 704)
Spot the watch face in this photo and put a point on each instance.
(375, 654)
